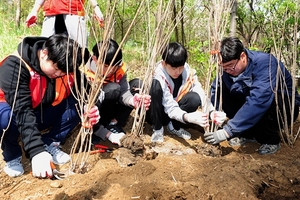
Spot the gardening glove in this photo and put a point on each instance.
(101, 96)
(197, 117)
(31, 19)
(99, 16)
(41, 167)
(115, 138)
(216, 137)
(93, 115)
(218, 117)
(138, 99)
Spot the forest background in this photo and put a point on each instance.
(265, 25)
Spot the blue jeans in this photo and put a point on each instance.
(61, 119)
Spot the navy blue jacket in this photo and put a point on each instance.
(257, 84)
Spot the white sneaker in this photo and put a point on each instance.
(59, 157)
(180, 133)
(158, 135)
(14, 167)
(115, 138)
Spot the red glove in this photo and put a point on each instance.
(138, 99)
(93, 115)
(31, 21)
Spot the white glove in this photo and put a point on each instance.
(218, 117)
(138, 99)
(101, 96)
(41, 166)
(116, 137)
(198, 118)
(93, 115)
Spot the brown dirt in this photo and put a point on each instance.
(177, 169)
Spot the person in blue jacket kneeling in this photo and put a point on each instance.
(249, 89)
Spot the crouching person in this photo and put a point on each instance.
(176, 94)
(249, 97)
(35, 83)
(118, 97)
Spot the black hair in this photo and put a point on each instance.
(174, 54)
(64, 52)
(231, 49)
(110, 49)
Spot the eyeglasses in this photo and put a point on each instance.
(229, 69)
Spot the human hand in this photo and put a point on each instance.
(216, 137)
(115, 138)
(31, 20)
(93, 115)
(41, 167)
(138, 99)
(99, 16)
(197, 117)
(218, 117)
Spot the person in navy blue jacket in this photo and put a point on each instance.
(253, 96)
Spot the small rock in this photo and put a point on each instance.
(56, 184)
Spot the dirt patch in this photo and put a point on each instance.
(176, 169)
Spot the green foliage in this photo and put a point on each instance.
(10, 34)
(199, 58)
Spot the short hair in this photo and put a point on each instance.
(174, 54)
(231, 48)
(111, 47)
(64, 52)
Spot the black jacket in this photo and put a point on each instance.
(23, 110)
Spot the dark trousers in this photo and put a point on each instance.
(265, 131)
(156, 115)
(61, 120)
(111, 107)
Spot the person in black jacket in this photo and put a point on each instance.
(35, 94)
(120, 96)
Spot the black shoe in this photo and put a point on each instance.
(115, 129)
(96, 139)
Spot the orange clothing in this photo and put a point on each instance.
(56, 7)
(115, 78)
(38, 86)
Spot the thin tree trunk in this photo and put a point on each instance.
(18, 12)
(233, 19)
(174, 20)
(182, 23)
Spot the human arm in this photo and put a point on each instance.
(98, 14)
(197, 117)
(256, 86)
(100, 131)
(126, 96)
(18, 96)
(32, 16)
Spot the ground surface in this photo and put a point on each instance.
(180, 170)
